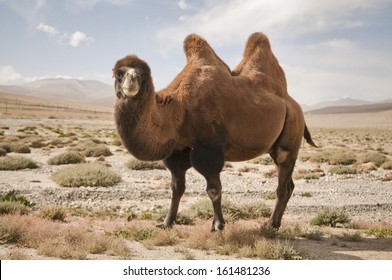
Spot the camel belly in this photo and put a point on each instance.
(253, 131)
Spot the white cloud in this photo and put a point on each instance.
(87, 5)
(223, 22)
(8, 75)
(76, 38)
(49, 30)
(26, 9)
(182, 4)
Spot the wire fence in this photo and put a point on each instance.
(11, 106)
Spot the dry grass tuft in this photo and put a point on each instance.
(16, 163)
(375, 157)
(63, 241)
(135, 164)
(66, 158)
(97, 151)
(53, 212)
(86, 174)
(342, 170)
(330, 156)
(13, 207)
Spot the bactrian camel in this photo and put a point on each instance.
(208, 115)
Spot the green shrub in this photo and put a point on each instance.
(135, 164)
(66, 158)
(86, 174)
(16, 163)
(3, 152)
(12, 197)
(330, 217)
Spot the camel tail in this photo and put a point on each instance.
(308, 137)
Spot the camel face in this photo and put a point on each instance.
(127, 81)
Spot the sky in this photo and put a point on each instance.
(328, 49)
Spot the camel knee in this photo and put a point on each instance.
(214, 194)
(285, 191)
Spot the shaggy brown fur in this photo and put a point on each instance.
(209, 114)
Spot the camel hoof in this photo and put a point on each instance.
(163, 226)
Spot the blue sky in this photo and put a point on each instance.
(328, 49)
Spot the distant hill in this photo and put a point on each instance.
(372, 108)
(337, 103)
(84, 91)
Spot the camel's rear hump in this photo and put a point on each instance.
(258, 56)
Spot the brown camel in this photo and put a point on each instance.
(209, 114)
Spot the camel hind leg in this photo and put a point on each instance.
(178, 163)
(285, 161)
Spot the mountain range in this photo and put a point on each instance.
(84, 91)
(101, 94)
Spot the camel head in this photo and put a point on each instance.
(131, 74)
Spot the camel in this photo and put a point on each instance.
(208, 115)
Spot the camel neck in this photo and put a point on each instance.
(141, 127)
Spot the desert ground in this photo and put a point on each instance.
(349, 175)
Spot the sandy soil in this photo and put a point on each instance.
(364, 197)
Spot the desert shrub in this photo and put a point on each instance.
(244, 212)
(54, 213)
(21, 149)
(6, 146)
(330, 217)
(203, 210)
(313, 235)
(334, 157)
(16, 163)
(86, 174)
(3, 152)
(381, 232)
(12, 197)
(135, 164)
(387, 165)
(351, 237)
(308, 174)
(97, 151)
(305, 194)
(66, 158)
(375, 157)
(57, 240)
(269, 195)
(13, 207)
(263, 160)
(342, 170)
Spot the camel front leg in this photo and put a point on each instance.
(178, 163)
(214, 191)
